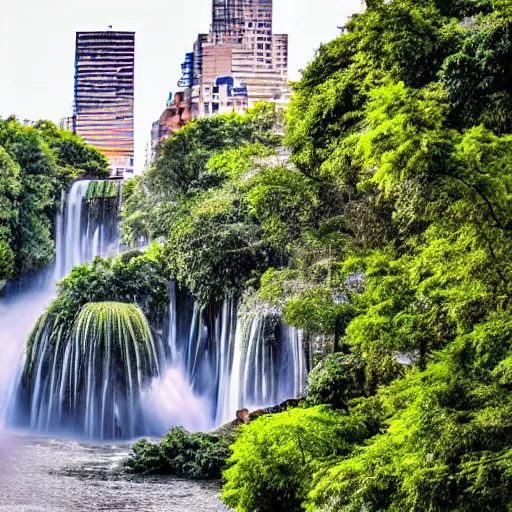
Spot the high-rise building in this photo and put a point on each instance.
(238, 63)
(104, 96)
(242, 45)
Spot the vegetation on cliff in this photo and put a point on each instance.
(132, 278)
(37, 164)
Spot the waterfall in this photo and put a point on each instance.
(234, 359)
(27, 298)
(88, 379)
(82, 233)
(269, 364)
(107, 373)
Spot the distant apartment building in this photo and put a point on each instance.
(104, 96)
(67, 123)
(238, 63)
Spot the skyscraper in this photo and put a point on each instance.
(104, 95)
(238, 63)
(242, 45)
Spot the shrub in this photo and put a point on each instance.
(130, 278)
(336, 380)
(197, 456)
(274, 459)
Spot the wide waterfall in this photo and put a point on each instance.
(234, 359)
(106, 373)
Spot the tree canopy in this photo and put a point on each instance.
(37, 164)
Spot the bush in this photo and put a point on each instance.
(335, 381)
(197, 456)
(274, 459)
(130, 278)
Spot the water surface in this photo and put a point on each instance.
(40, 474)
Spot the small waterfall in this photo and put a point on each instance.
(83, 232)
(270, 364)
(88, 378)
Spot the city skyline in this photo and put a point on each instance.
(239, 62)
(45, 88)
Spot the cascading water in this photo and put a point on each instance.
(107, 374)
(235, 360)
(268, 365)
(84, 232)
(26, 299)
(89, 376)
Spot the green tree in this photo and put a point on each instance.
(75, 158)
(184, 156)
(9, 212)
(33, 244)
(213, 246)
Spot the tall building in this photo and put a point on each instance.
(241, 45)
(238, 63)
(104, 96)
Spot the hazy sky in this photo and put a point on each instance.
(37, 39)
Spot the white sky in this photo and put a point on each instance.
(37, 39)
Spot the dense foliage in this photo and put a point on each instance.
(37, 164)
(403, 128)
(387, 235)
(72, 154)
(9, 214)
(275, 458)
(192, 198)
(197, 456)
(132, 277)
(336, 380)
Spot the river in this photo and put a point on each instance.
(44, 474)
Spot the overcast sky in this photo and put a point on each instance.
(37, 40)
